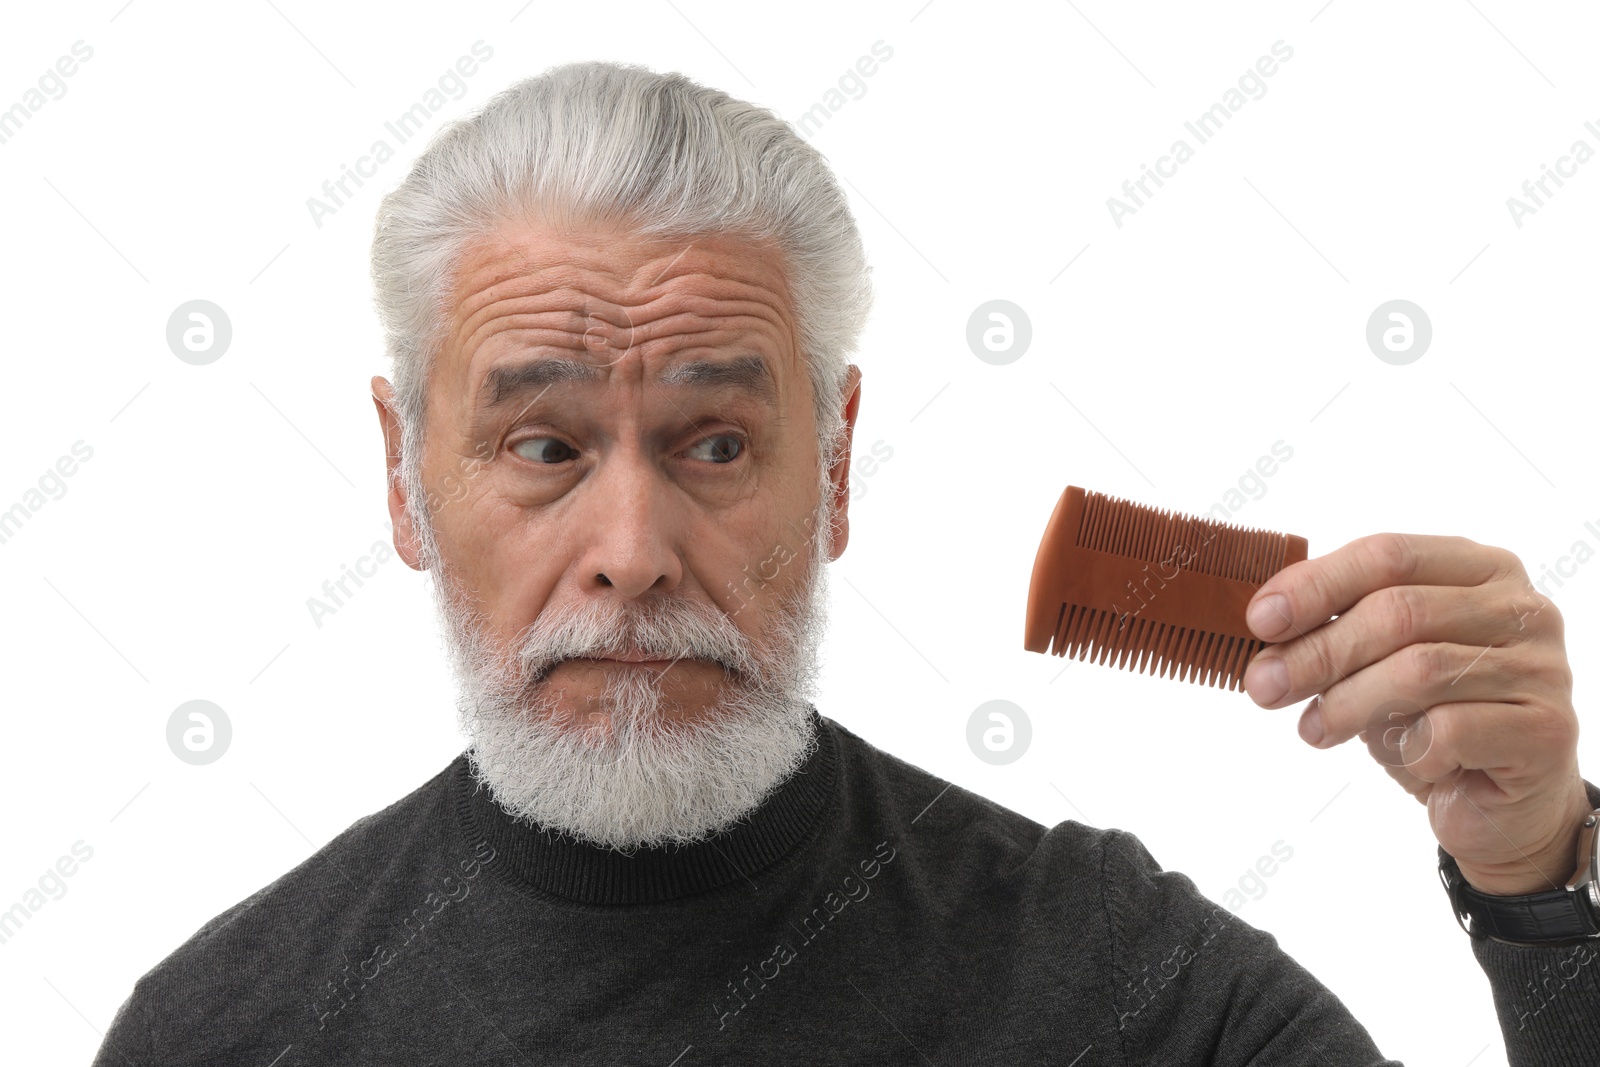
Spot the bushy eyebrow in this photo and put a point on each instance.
(748, 373)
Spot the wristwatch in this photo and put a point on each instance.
(1565, 916)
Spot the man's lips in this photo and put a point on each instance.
(625, 663)
(628, 660)
(638, 660)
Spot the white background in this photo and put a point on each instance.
(1228, 313)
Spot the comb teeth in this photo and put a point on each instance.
(1159, 648)
(1134, 530)
(1139, 588)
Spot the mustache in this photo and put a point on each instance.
(666, 629)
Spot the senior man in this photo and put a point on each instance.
(619, 306)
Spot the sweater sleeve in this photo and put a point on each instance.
(1194, 984)
(127, 1039)
(1547, 997)
(1548, 1000)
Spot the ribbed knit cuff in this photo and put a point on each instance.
(1547, 996)
(1548, 1000)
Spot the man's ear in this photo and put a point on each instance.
(405, 533)
(839, 476)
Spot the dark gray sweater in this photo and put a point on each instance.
(867, 913)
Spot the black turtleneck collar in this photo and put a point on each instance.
(555, 865)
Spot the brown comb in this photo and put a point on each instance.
(1151, 588)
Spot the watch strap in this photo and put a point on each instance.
(1557, 916)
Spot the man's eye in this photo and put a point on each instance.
(718, 448)
(545, 450)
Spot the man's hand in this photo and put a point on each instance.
(1453, 669)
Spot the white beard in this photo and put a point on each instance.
(643, 779)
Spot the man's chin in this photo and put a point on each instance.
(626, 775)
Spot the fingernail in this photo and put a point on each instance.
(1311, 731)
(1269, 616)
(1272, 681)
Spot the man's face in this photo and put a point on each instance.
(622, 430)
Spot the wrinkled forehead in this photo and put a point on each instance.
(605, 303)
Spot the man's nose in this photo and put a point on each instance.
(630, 525)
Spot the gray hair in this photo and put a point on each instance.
(612, 142)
